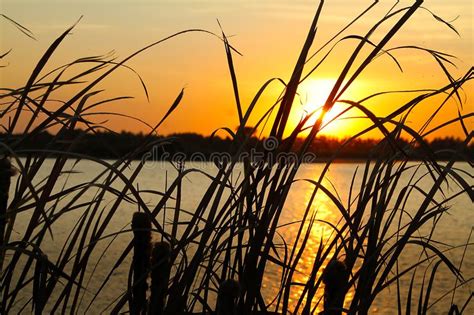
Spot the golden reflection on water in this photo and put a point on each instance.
(325, 213)
(321, 234)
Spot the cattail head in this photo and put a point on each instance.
(229, 291)
(230, 288)
(141, 221)
(335, 274)
(160, 272)
(141, 225)
(161, 252)
(335, 278)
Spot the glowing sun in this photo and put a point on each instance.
(313, 94)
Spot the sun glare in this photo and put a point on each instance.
(312, 95)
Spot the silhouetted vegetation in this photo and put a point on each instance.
(214, 255)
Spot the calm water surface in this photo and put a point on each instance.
(453, 229)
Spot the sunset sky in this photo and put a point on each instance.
(268, 33)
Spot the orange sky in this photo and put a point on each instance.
(269, 34)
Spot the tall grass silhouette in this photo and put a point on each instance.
(220, 252)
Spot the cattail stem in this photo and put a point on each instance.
(160, 274)
(336, 279)
(141, 226)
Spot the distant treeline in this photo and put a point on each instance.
(109, 145)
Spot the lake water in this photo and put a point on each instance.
(453, 229)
